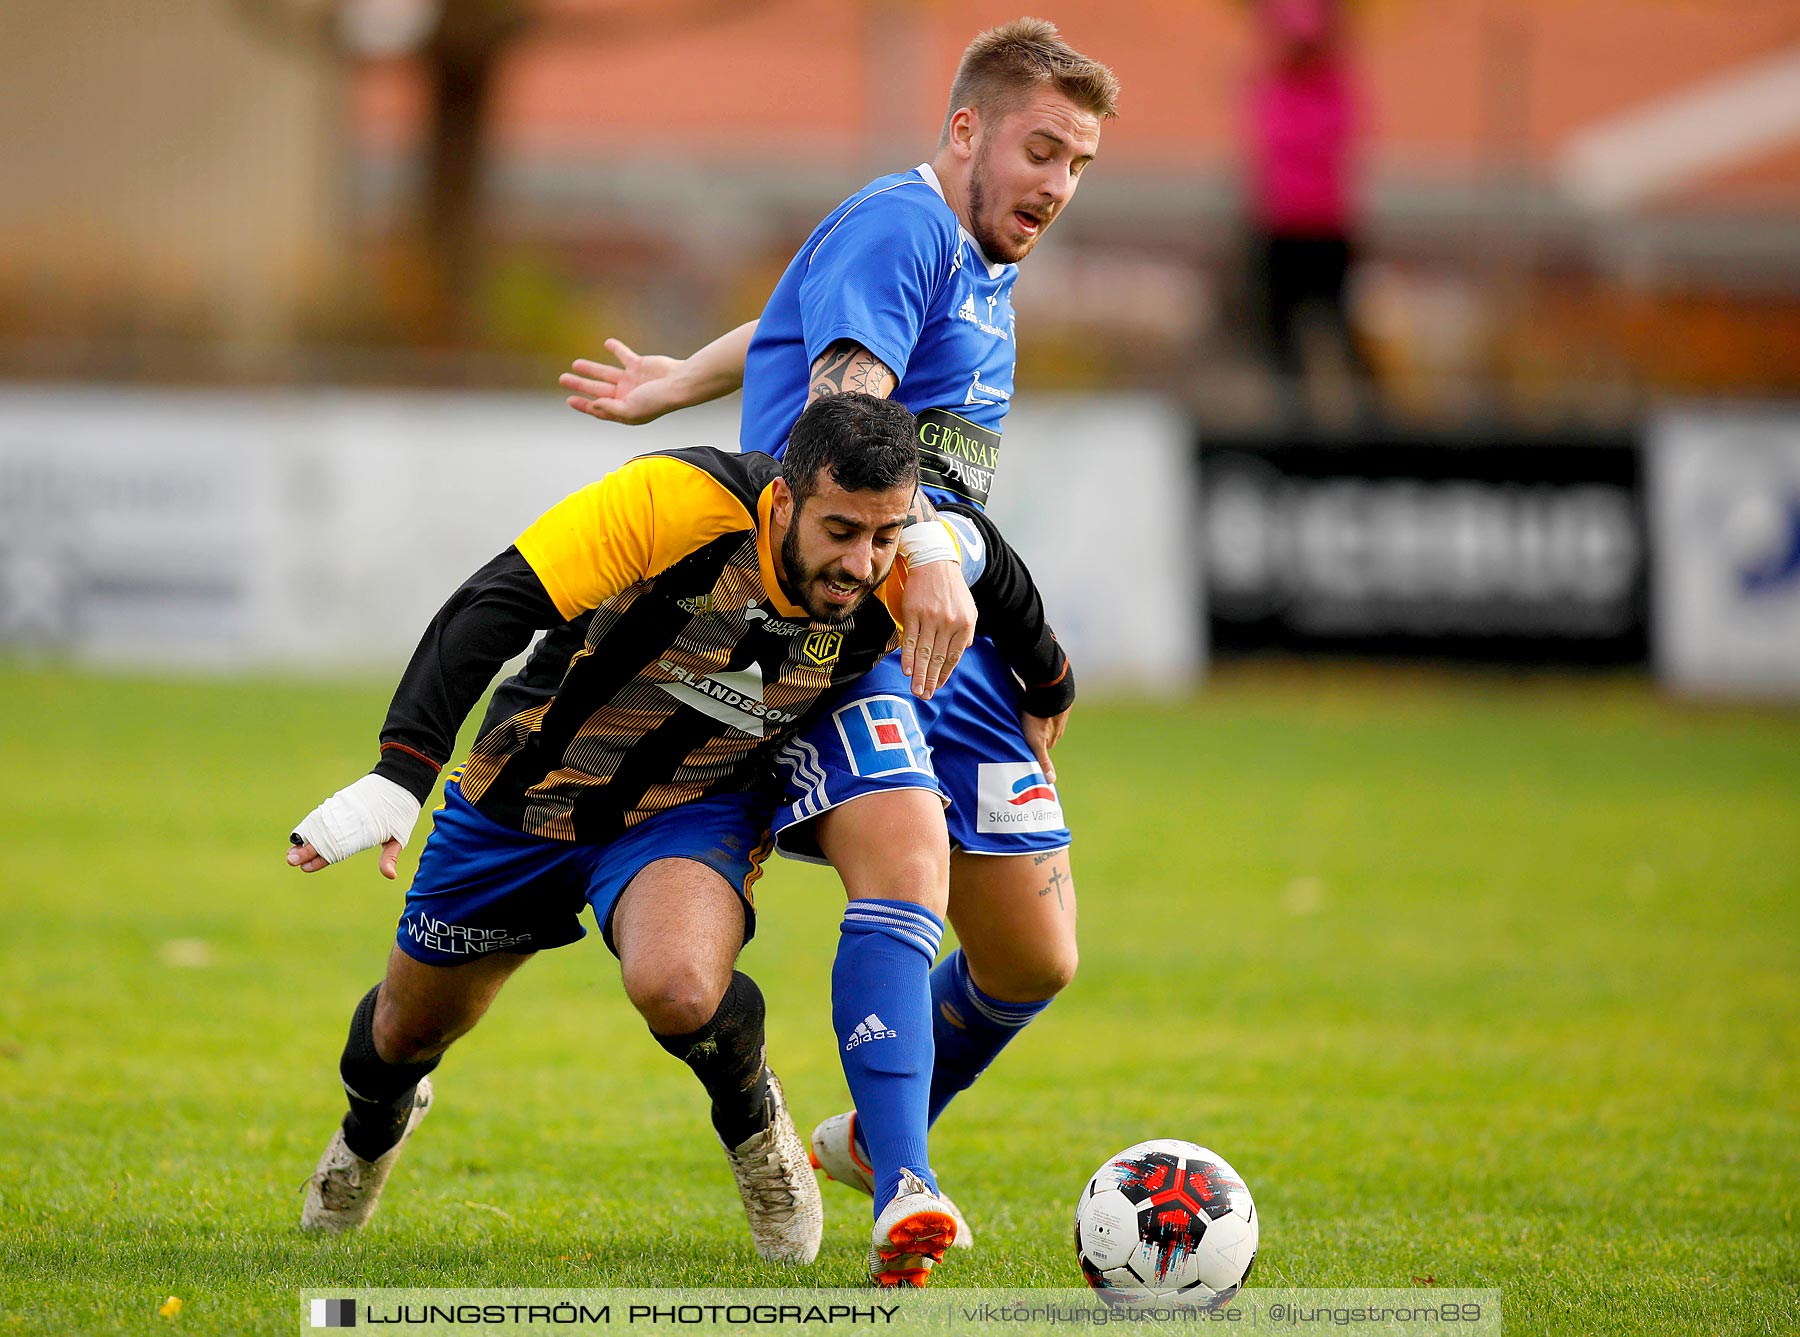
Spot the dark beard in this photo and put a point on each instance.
(800, 584)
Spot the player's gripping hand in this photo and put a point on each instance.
(639, 390)
(373, 811)
(1041, 733)
(937, 612)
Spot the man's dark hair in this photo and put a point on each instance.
(868, 444)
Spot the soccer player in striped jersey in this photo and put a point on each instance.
(699, 606)
(905, 290)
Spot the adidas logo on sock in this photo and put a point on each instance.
(870, 1028)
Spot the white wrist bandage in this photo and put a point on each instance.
(928, 541)
(359, 817)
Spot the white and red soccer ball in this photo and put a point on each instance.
(1166, 1222)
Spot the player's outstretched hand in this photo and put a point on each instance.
(373, 811)
(308, 860)
(1042, 733)
(937, 623)
(639, 390)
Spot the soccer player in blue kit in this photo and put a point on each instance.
(905, 291)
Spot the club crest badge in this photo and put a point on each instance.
(822, 647)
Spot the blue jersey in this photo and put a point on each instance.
(892, 269)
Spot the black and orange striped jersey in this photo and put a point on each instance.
(677, 665)
(692, 663)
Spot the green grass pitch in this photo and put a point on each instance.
(1480, 982)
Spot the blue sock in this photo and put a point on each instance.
(970, 1029)
(881, 1007)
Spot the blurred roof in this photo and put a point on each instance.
(1452, 88)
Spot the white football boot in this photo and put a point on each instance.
(834, 1152)
(910, 1235)
(781, 1196)
(345, 1190)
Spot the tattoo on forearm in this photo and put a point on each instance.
(847, 365)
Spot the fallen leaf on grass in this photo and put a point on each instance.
(186, 953)
(170, 1307)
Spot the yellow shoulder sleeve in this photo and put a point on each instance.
(636, 521)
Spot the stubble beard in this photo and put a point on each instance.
(994, 246)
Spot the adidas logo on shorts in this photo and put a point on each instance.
(870, 1028)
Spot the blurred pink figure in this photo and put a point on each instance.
(1302, 131)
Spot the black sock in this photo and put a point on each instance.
(380, 1093)
(726, 1055)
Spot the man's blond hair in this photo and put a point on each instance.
(1006, 65)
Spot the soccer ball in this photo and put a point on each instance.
(1166, 1222)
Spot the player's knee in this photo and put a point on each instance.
(1032, 976)
(889, 852)
(1055, 972)
(920, 875)
(675, 999)
(1039, 978)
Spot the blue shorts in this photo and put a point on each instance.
(965, 745)
(483, 887)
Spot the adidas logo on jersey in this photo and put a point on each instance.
(869, 1028)
(966, 312)
(700, 605)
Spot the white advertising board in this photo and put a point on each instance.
(1098, 494)
(321, 530)
(1725, 516)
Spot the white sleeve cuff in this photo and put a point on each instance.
(928, 541)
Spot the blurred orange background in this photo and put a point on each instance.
(473, 191)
